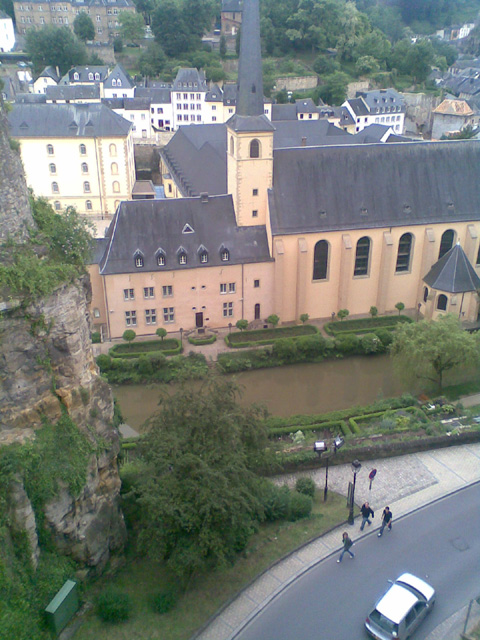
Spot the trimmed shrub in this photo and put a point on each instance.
(96, 337)
(311, 346)
(348, 344)
(300, 506)
(385, 336)
(113, 606)
(370, 343)
(104, 362)
(305, 486)
(275, 501)
(164, 601)
(199, 341)
(285, 349)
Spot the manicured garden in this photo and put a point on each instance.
(365, 325)
(169, 346)
(259, 337)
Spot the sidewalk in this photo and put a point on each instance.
(406, 483)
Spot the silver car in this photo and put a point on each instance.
(399, 612)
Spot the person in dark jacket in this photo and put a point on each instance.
(366, 512)
(386, 521)
(347, 543)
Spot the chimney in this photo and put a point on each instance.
(204, 197)
(304, 141)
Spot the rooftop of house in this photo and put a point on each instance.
(30, 98)
(232, 6)
(374, 185)
(73, 92)
(155, 95)
(50, 72)
(453, 273)
(454, 108)
(65, 121)
(169, 227)
(118, 74)
(381, 98)
(4, 16)
(94, 73)
(190, 79)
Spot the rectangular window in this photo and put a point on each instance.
(185, 96)
(227, 309)
(214, 119)
(131, 318)
(150, 316)
(232, 287)
(148, 292)
(168, 314)
(256, 284)
(255, 192)
(199, 107)
(199, 118)
(179, 95)
(255, 213)
(185, 107)
(199, 97)
(179, 118)
(214, 108)
(223, 287)
(128, 294)
(167, 291)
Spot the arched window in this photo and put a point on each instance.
(88, 205)
(114, 168)
(225, 255)
(113, 150)
(52, 168)
(84, 167)
(50, 150)
(182, 257)
(255, 149)
(114, 83)
(57, 205)
(232, 146)
(204, 257)
(90, 76)
(83, 150)
(161, 259)
(55, 188)
(446, 243)
(119, 83)
(116, 187)
(76, 76)
(425, 294)
(138, 260)
(362, 257)
(320, 260)
(97, 76)
(404, 253)
(86, 187)
(442, 302)
(257, 311)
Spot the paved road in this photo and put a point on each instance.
(440, 542)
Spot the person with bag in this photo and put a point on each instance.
(347, 543)
(386, 521)
(366, 511)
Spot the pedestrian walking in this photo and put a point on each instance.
(386, 521)
(366, 512)
(347, 543)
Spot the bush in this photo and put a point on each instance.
(164, 601)
(285, 349)
(144, 366)
(348, 343)
(104, 362)
(300, 506)
(275, 501)
(96, 337)
(199, 341)
(113, 606)
(385, 336)
(370, 343)
(305, 486)
(311, 346)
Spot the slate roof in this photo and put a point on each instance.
(232, 6)
(155, 95)
(250, 80)
(30, 98)
(453, 273)
(309, 133)
(454, 108)
(381, 98)
(83, 74)
(189, 76)
(50, 72)
(284, 112)
(136, 104)
(73, 92)
(370, 186)
(249, 123)
(358, 107)
(147, 226)
(119, 73)
(65, 121)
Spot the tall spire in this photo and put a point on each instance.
(250, 84)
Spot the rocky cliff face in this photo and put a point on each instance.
(47, 369)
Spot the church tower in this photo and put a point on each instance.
(249, 131)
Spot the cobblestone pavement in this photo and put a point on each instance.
(405, 483)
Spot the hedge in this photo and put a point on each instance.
(198, 342)
(168, 347)
(365, 325)
(267, 336)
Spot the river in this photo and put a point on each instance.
(300, 388)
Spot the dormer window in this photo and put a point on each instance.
(203, 253)
(182, 257)
(119, 83)
(90, 76)
(225, 255)
(161, 258)
(114, 83)
(139, 262)
(187, 229)
(76, 76)
(97, 76)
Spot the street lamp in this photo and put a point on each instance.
(181, 337)
(356, 466)
(321, 447)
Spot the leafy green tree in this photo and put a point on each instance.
(242, 324)
(426, 350)
(161, 332)
(343, 313)
(374, 44)
(325, 65)
(55, 46)
(200, 500)
(267, 32)
(334, 91)
(83, 27)
(152, 60)
(399, 307)
(7, 6)
(132, 25)
(129, 336)
(223, 46)
(304, 318)
(118, 44)
(273, 319)
(169, 28)
(366, 65)
(145, 7)
(281, 96)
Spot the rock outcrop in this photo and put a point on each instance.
(46, 370)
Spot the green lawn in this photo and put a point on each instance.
(260, 335)
(146, 346)
(142, 578)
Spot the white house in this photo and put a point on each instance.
(118, 84)
(381, 106)
(7, 35)
(48, 78)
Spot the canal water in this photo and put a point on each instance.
(301, 388)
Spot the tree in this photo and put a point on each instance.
(117, 44)
(152, 60)
(129, 336)
(366, 65)
(83, 27)
(55, 46)
(373, 312)
(242, 324)
(223, 46)
(343, 313)
(273, 319)
(325, 65)
(304, 317)
(399, 307)
(426, 350)
(334, 91)
(145, 7)
(132, 26)
(170, 30)
(161, 332)
(200, 495)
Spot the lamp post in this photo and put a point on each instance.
(356, 466)
(321, 447)
(181, 337)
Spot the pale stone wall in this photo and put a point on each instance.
(419, 113)
(296, 83)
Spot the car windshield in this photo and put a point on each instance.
(383, 622)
